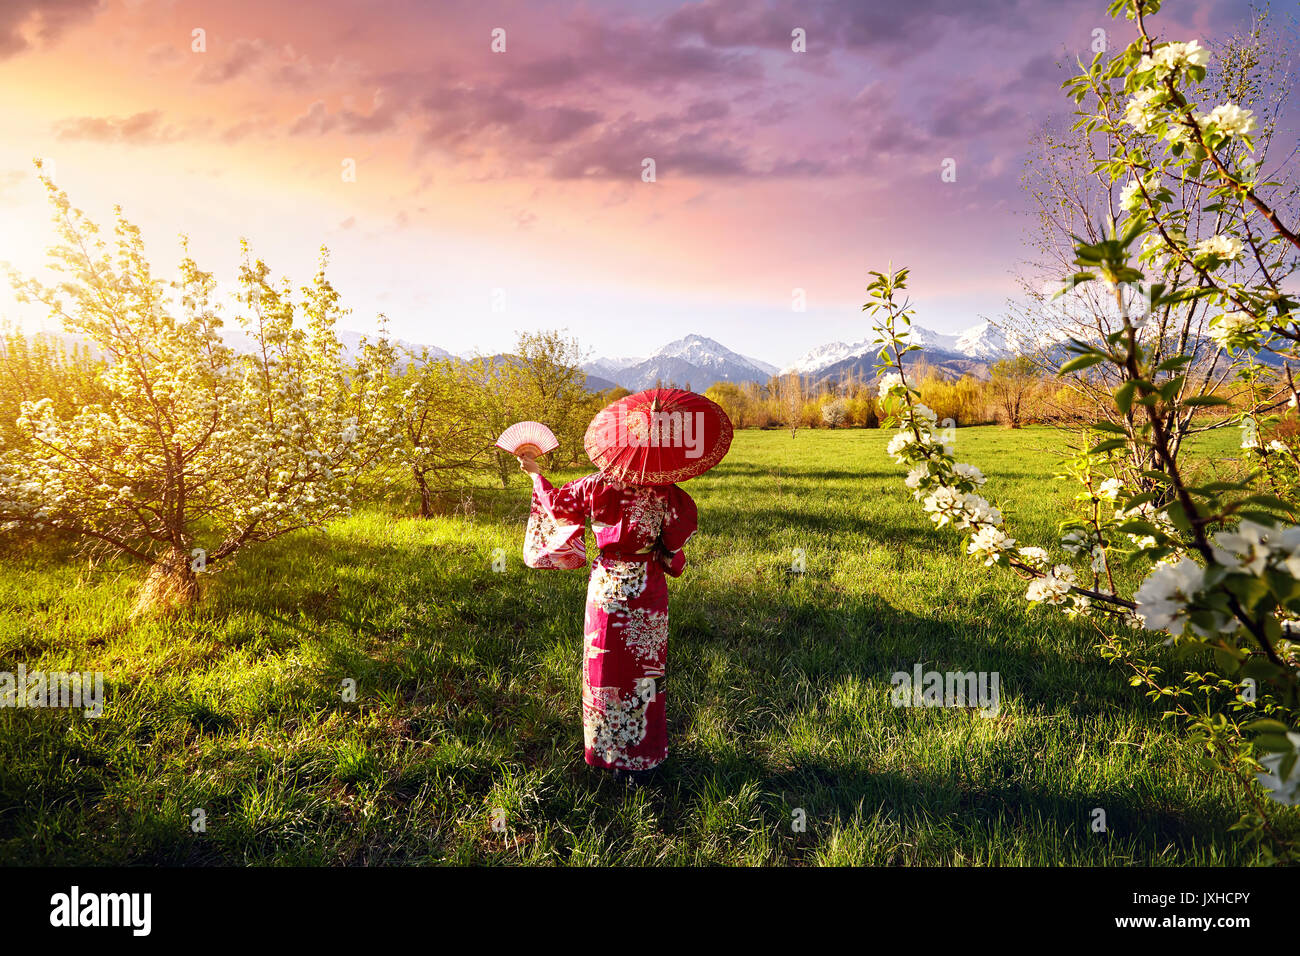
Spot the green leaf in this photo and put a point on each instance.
(1110, 428)
(1138, 527)
(1124, 396)
(1266, 725)
(1261, 668)
(1265, 501)
(1081, 362)
(1169, 364)
(1138, 500)
(1225, 661)
(1249, 589)
(1274, 743)
(1178, 515)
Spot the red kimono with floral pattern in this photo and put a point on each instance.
(640, 532)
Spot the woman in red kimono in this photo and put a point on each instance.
(640, 531)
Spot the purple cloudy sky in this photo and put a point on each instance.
(515, 178)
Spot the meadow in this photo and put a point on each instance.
(467, 694)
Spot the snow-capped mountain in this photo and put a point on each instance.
(983, 341)
(699, 361)
(708, 353)
(955, 352)
(934, 341)
(695, 360)
(823, 356)
(607, 366)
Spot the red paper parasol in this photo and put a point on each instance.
(658, 437)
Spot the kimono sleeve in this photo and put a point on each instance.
(679, 524)
(556, 521)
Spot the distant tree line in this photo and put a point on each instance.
(1016, 393)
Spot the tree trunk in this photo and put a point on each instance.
(426, 498)
(171, 584)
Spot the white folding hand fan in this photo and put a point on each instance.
(527, 440)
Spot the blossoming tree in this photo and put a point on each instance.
(1221, 558)
(195, 451)
(439, 410)
(1073, 195)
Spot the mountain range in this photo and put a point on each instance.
(695, 360)
(698, 361)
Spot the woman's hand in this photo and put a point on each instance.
(529, 465)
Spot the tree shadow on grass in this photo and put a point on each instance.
(726, 475)
(821, 637)
(771, 624)
(452, 655)
(964, 817)
(781, 663)
(739, 522)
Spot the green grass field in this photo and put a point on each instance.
(468, 701)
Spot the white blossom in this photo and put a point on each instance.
(1286, 550)
(1033, 556)
(1141, 112)
(898, 444)
(1052, 588)
(1227, 248)
(1235, 330)
(1078, 605)
(1130, 197)
(1283, 791)
(989, 543)
(1076, 542)
(977, 511)
(1251, 548)
(1163, 598)
(1229, 119)
(944, 505)
(890, 383)
(1174, 56)
(1245, 548)
(1063, 572)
